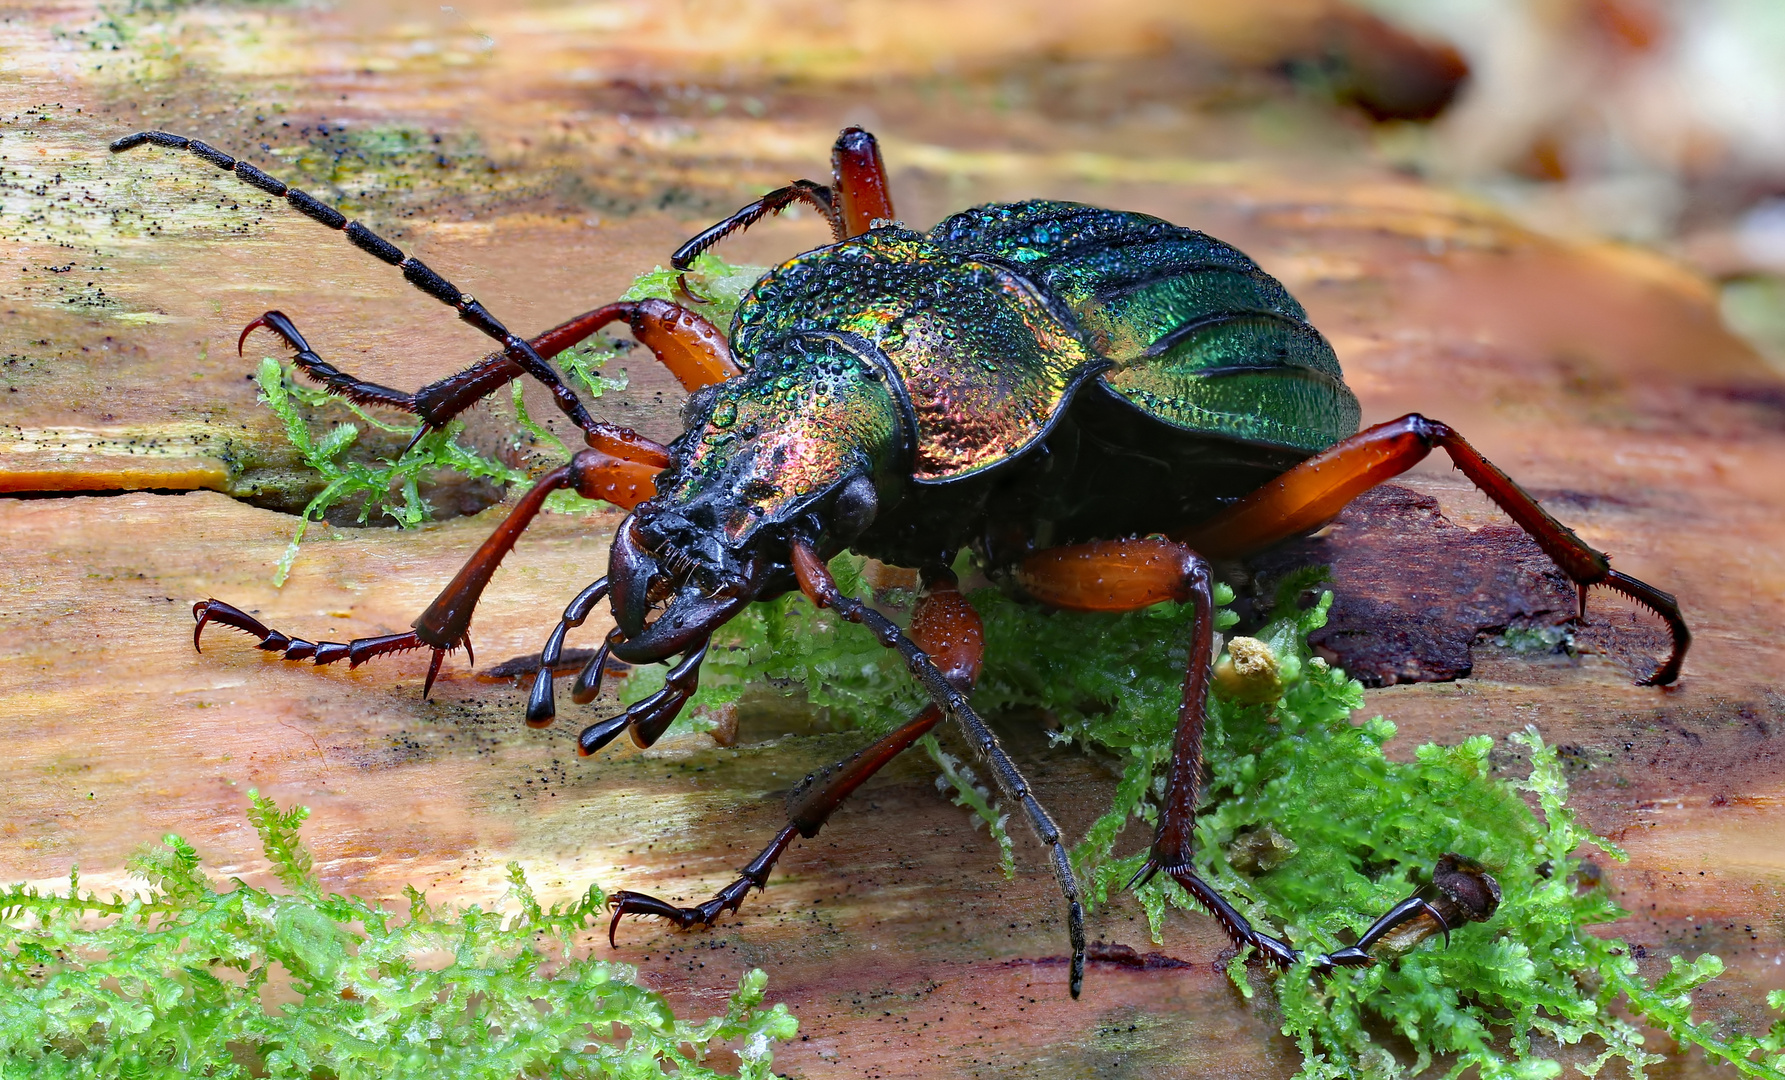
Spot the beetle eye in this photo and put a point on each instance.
(855, 508)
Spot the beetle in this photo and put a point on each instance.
(1095, 402)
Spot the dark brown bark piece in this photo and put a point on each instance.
(1413, 592)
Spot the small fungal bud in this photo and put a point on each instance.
(725, 724)
(1248, 672)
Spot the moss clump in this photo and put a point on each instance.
(1351, 832)
(170, 984)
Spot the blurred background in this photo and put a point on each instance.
(1657, 122)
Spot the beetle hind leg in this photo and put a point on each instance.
(1125, 575)
(1314, 492)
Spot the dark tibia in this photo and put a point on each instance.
(355, 652)
(730, 898)
(815, 581)
(813, 194)
(650, 718)
(540, 707)
(416, 272)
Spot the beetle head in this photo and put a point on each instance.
(804, 446)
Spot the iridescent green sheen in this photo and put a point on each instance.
(1197, 334)
(986, 359)
(994, 321)
(783, 434)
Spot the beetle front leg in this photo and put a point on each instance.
(947, 628)
(445, 625)
(1314, 492)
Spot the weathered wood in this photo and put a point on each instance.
(1599, 376)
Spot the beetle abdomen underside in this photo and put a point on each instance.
(1198, 336)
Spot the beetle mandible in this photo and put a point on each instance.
(1095, 402)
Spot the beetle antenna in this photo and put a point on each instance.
(416, 272)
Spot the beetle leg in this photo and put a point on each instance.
(947, 628)
(355, 652)
(693, 350)
(857, 197)
(597, 472)
(810, 192)
(1315, 491)
(815, 581)
(1124, 575)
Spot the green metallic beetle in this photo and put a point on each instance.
(1095, 402)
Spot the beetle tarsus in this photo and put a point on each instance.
(1667, 609)
(1461, 891)
(730, 898)
(355, 652)
(650, 718)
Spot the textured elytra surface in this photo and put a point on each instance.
(1597, 376)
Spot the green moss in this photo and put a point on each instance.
(170, 983)
(393, 489)
(1352, 831)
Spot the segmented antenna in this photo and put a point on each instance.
(416, 272)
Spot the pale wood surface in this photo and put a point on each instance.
(1597, 375)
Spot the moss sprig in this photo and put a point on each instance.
(170, 982)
